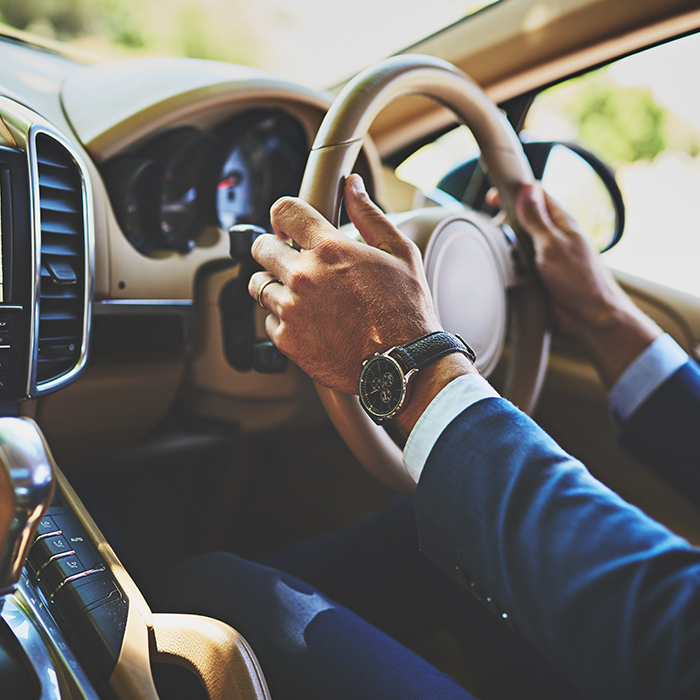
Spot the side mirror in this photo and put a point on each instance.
(584, 186)
(581, 182)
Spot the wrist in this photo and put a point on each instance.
(616, 341)
(426, 384)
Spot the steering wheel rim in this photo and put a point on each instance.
(332, 157)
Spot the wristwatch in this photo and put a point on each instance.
(384, 376)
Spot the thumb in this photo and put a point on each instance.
(533, 213)
(376, 230)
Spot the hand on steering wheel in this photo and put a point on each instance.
(341, 300)
(344, 327)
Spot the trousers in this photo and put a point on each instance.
(334, 617)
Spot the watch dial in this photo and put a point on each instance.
(381, 386)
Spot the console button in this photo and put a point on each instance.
(82, 594)
(58, 571)
(46, 525)
(43, 550)
(54, 545)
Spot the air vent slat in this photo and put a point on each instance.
(55, 161)
(51, 248)
(54, 204)
(61, 228)
(62, 292)
(56, 182)
(60, 315)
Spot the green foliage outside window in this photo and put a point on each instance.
(625, 123)
(123, 28)
(622, 124)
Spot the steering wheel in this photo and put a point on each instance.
(466, 255)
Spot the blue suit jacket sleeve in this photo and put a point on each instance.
(608, 594)
(664, 432)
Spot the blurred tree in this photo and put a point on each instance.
(213, 29)
(625, 124)
(69, 19)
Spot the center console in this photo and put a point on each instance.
(73, 624)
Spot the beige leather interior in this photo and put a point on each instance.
(510, 48)
(111, 113)
(213, 651)
(249, 399)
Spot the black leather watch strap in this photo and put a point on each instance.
(431, 347)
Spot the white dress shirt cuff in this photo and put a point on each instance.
(644, 376)
(456, 397)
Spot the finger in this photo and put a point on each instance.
(272, 326)
(559, 215)
(376, 230)
(493, 198)
(293, 218)
(274, 255)
(267, 290)
(533, 214)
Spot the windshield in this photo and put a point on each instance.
(315, 42)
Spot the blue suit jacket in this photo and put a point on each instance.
(608, 594)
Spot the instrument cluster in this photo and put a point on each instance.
(184, 180)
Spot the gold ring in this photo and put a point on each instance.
(262, 287)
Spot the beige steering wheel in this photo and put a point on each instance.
(333, 155)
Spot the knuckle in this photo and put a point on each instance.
(408, 250)
(412, 250)
(297, 279)
(255, 249)
(331, 251)
(281, 209)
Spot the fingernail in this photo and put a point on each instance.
(358, 184)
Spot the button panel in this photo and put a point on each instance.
(79, 589)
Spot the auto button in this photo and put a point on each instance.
(78, 540)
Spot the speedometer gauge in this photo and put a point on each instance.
(161, 195)
(265, 154)
(234, 192)
(186, 155)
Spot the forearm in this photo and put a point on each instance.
(616, 339)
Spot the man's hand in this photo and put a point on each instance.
(586, 302)
(340, 300)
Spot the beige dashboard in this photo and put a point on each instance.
(112, 111)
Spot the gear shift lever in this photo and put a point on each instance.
(26, 490)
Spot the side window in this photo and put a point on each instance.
(641, 115)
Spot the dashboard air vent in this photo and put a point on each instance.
(62, 294)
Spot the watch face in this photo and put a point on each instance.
(382, 387)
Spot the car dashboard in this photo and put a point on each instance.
(118, 296)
